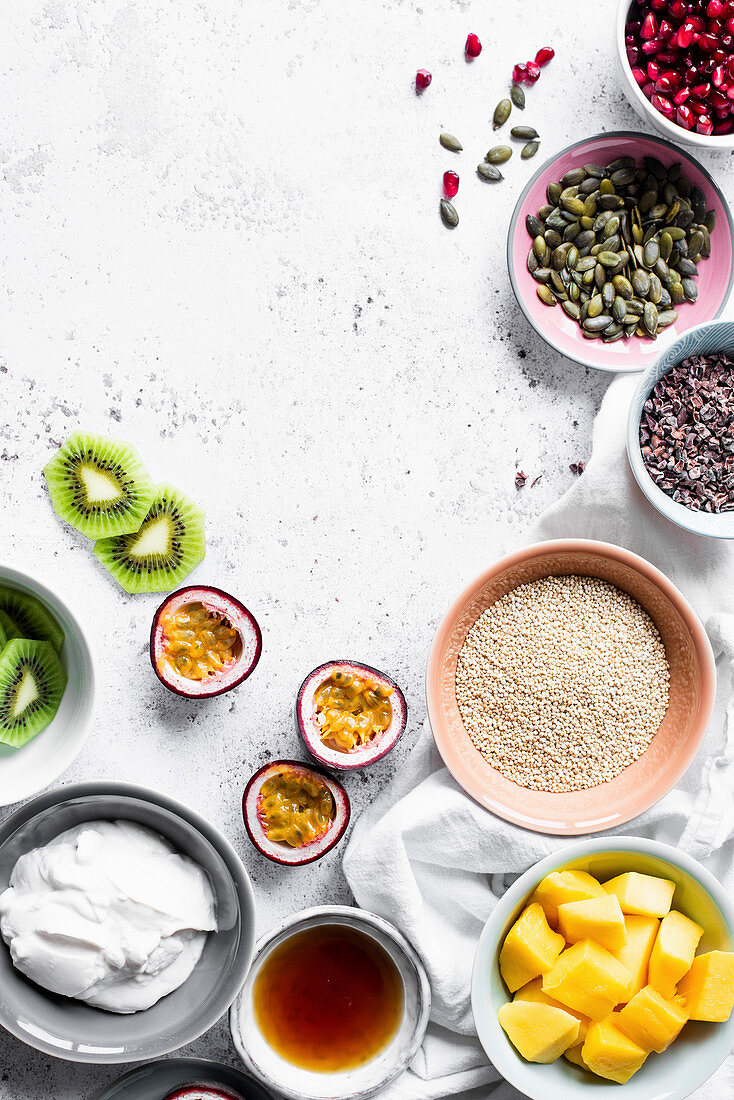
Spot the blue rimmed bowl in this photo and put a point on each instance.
(705, 339)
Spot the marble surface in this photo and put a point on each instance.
(221, 241)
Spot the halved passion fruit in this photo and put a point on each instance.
(202, 1092)
(349, 714)
(203, 642)
(294, 813)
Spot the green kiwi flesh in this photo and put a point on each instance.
(32, 683)
(169, 544)
(30, 618)
(9, 628)
(99, 485)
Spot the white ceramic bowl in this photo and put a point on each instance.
(699, 1050)
(644, 108)
(26, 771)
(702, 340)
(291, 1081)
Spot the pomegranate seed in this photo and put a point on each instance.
(640, 76)
(667, 58)
(649, 28)
(704, 125)
(472, 47)
(658, 5)
(724, 127)
(652, 45)
(653, 70)
(450, 184)
(714, 8)
(685, 35)
(678, 9)
(730, 25)
(697, 107)
(633, 57)
(717, 76)
(721, 115)
(684, 117)
(701, 91)
(681, 96)
(632, 28)
(422, 79)
(660, 103)
(696, 22)
(673, 78)
(718, 57)
(533, 70)
(544, 55)
(648, 90)
(665, 29)
(708, 42)
(519, 74)
(717, 99)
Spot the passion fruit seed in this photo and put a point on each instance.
(350, 714)
(197, 643)
(295, 808)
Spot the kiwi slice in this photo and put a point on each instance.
(99, 485)
(9, 628)
(32, 682)
(168, 545)
(30, 618)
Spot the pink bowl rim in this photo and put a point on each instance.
(472, 782)
(517, 214)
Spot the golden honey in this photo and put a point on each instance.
(196, 642)
(352, 709)
(295, 808)
(328, 999)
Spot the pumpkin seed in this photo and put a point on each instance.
(490, 172)
(594, 170)
(572, 310)
(623, 287)
(558, 258)
(666, 245)
(650, 318)
(449, 216)
(608, 259)
(572, 258)
(529, 150)
(542, 274)
(622, 177)
(598, 323)
(596, 306)
(451, 143)
(546, 296)
(499, 154)
(689, 289)
(667, 317)
(553, 238)
(621, 162)
(677, 294)
(524, 133)
(655, 290)
(655, 168)
(517, 95)
(710, 220)
(608, 295)
(585, 263)
(651, 253)
(501, 113)
(534, 226)
(685, 267)
(619, 309)
(533, 262)
(554, 191)
(640, 282)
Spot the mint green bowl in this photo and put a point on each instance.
(699, 1050)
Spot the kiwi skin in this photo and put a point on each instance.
(30, 617)
(19, 657)
(115, 461)
(179, 525)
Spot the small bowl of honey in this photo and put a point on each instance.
(335, 1006)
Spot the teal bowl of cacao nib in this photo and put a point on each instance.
(680, 431)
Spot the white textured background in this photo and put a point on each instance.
(220, 240)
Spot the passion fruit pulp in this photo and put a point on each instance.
(294, 814)
(349, 714)
(203, 642)
(203, 1092)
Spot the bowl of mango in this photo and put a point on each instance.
(608, 965)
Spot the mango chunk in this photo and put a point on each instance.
(651, 1021)
(539, 1032)
(645, 895)
(708, 987)
(533, 991)
(574, 1055)
(563, 886)
(672, 955)
(530, 948)
(635, 955)
(587, 978)
(609, 1053)
(598, 919)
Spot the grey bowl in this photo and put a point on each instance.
(702, 340)
(80, 1033)
(157, 1079)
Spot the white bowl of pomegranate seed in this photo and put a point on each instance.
(677, 64)
(679, 433)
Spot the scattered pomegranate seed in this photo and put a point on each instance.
(422, 79)
(472, 47)
(519, 74)
(533, 70)
(450, 184)
(544, 55)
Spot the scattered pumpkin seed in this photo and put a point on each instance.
(449, 216)
(501, 113)
(517, 95)
(498, 154)
(529, 150)
(524, 133)
(490, 172)
(451, 143)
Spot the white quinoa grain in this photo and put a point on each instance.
(562, 683)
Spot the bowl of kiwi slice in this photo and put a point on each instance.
(47, 685)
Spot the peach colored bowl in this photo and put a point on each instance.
(692, 691)
(714, 281)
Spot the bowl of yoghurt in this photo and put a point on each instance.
(126, 923)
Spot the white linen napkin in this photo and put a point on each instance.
(428, 858)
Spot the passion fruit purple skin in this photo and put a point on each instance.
(235, 671)
(284, 853)
(203, 1092)
(310, 731)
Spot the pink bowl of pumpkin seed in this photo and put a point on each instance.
(617, 246)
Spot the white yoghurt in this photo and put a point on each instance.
(107, 913)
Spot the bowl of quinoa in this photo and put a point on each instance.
(569, 687)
